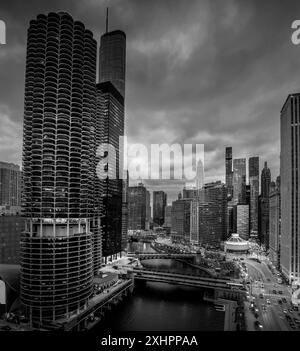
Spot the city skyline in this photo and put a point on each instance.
(219, 105)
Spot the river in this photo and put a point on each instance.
(163, 307)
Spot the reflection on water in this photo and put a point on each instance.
(159, 306)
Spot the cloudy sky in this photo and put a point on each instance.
(200, 72)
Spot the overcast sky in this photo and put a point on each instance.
(202, 72)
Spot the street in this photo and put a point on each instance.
(268, 300)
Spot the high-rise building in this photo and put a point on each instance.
(125, 211)
(148, 210)
(265, 181)
(208, 222)
(275, 223)
(58, 168)
(180, 221)
(239, 180)
(11, 228)
(112, 65)
(254, 192)
(137, 200)
(228, 171)
(10, 184)
(168, 219)
(159, 205)
(199, 175)
(110, 117)
(263, 221)
(242, 221)
(189, 193)
(110, 113)
(290, 185)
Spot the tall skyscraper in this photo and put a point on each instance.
(159, 205)
(110, 116)
(58, 168)
(228, 171)
(239, 180)
(275, 223)
(242, 221)
(112, 67)
(180, 219)
(254, 192)
(110, 113)
(290, 185)
(199, 176)
(148, 209)
(265, 181)
(137, 207)
(264, 206)
(10, 184)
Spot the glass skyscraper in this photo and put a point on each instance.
(254, 192)
(290, 188)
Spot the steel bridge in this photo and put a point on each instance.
(216, 284)
(156, 255)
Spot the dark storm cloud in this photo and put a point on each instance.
(212, 72)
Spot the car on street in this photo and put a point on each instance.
(268, 302)
(295, 308)
(280, 292)
(285, 311)
(274, 292)
(6, 328)
(284, 300)
(280, 302)
(261, 296)
(258, 325)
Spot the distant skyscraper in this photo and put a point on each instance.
(254, 192)
(242, 221)
(10, 184)
(137, 201)
(239, 180)
(265, 181)
(159, 205)
(112, 65)
(264, 206)
(125, 211)
(189, 193)
(228, 171)
(275, 223)
(200, 175)
(290, 188)
(58, 168)
(180, 222)
(148, 210)
(168, 217)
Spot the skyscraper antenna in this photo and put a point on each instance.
(107, 20)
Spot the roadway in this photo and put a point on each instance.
(268, 297)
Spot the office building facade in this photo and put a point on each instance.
(10, 184)
(228, 172)
(275, 223)
(112, 64)
(254, 193)
(110, 121)
(137, 200)
(290, 185)
(239, 180)
(159, 205)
